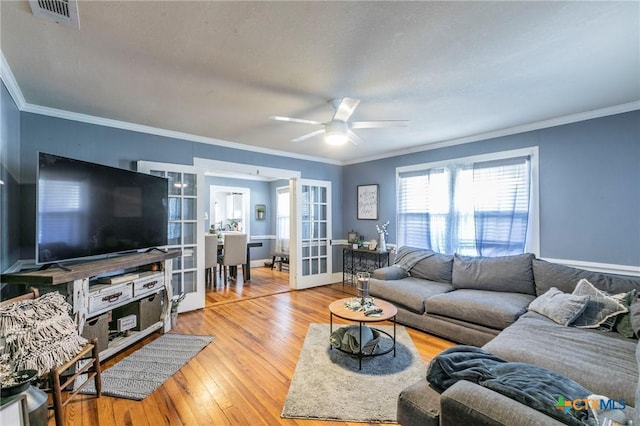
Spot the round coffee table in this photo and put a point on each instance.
(389, 313)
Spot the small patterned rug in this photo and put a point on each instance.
(145, 370)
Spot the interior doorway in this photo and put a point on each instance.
(232, 176)
(229, 209)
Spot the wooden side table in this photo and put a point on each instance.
(361, 260)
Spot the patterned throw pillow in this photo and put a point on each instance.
(601, 310)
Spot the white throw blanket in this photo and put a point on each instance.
(40, 334)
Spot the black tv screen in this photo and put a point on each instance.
(86, 209)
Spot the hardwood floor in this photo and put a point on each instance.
(243, 376)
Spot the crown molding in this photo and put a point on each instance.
(538, 125)
(10, 82)
(124, 125)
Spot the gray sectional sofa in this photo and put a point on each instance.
(485, 302)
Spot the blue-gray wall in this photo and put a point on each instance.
(589, 187)
(123, 148)
(10, 199)
(589, 178)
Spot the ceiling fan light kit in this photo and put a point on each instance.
(337, 131)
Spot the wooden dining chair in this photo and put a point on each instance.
(86, 362)
(234, 253)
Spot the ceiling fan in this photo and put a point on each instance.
(338, 130)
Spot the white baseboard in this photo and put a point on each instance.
(608, 268)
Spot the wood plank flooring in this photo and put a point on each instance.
(243, 376)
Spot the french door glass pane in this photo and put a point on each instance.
(189, 257)
(190, 230)
(189, 184)
(175, 183)
(175, 211)
(174, 236)
(189, 208)
(189, 284)
(176, 282)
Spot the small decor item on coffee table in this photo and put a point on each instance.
(363, 285)
(349, 310)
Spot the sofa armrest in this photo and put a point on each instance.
(467, 403)
(389, 273)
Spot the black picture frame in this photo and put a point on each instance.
(367, 199)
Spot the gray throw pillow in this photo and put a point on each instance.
(601, 309)
(512, 274)
(560, 307)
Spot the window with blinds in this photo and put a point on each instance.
(478, 208)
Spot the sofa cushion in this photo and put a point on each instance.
(601, 309)
(602, 362)
(489, 308)
(423, 263)
(560, 307)
(565, 278)
(437, 267)
(512, 274)
(419, 405)
(409, 293)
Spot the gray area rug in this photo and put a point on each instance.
(327, 384)
(142, 372)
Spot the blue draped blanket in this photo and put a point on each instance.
(533, 386)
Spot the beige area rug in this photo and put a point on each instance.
(327, 384)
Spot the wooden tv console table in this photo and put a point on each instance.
(79, 286)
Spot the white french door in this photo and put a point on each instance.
(311, 232)
(183, 229)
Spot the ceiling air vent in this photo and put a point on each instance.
(63, 12)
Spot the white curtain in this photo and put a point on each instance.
(478, 209)
(282, 220)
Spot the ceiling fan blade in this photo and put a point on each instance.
(294, 120)
(307, 136)
(345, 109)
(354, 138)
(378, 124)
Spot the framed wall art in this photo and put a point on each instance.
(368, 202)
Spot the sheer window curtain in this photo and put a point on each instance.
(471, 209)
(282, 220)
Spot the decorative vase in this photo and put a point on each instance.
(382, 244)
(362, 285)
(174, 319)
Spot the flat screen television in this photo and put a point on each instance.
(88, 210)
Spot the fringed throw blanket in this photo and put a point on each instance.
(528, 384)
(408, 257)
(40, 334)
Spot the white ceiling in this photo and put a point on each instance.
(456, 70)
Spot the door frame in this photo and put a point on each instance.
(240, 171)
